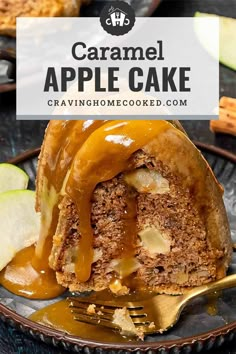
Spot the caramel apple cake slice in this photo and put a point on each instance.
(137, 207)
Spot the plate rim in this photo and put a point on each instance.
(37, 329)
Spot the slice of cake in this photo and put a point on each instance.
(11, 9)
(129, 205)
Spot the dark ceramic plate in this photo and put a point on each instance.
(195, 331)
(141, 7)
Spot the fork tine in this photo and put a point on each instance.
(105, 304)
(138, 323)
(78, 304)
(102, 321)
(91, 320)
(83, 306)
(78, 311)
(133, 315)
(108, 317)
(91, 301)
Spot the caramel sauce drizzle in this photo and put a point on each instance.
(129, 226)
(104, 155)
(29, 274)
(55, 142)
(87, 152)
(129, 237)
(67, 138)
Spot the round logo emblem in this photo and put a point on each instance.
(117, 18)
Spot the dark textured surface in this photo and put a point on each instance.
(195, 319)
(16, 137)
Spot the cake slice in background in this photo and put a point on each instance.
(10, 9)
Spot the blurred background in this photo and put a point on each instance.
(18, 136)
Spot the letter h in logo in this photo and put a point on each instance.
(117, 17)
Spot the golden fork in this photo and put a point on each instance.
(162, 310)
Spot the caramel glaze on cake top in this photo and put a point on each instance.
(84, 162)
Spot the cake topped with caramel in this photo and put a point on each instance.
(122, 201)
(125, 206)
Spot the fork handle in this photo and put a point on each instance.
(224, 283)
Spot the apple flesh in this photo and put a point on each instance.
(12, 178)
(227, 55)
(19, 223)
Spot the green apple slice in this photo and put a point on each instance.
(12, 178)
(19, 223)
(227, 55)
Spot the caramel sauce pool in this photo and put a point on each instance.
(212, 303)
(51, 316)
(21, 278)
